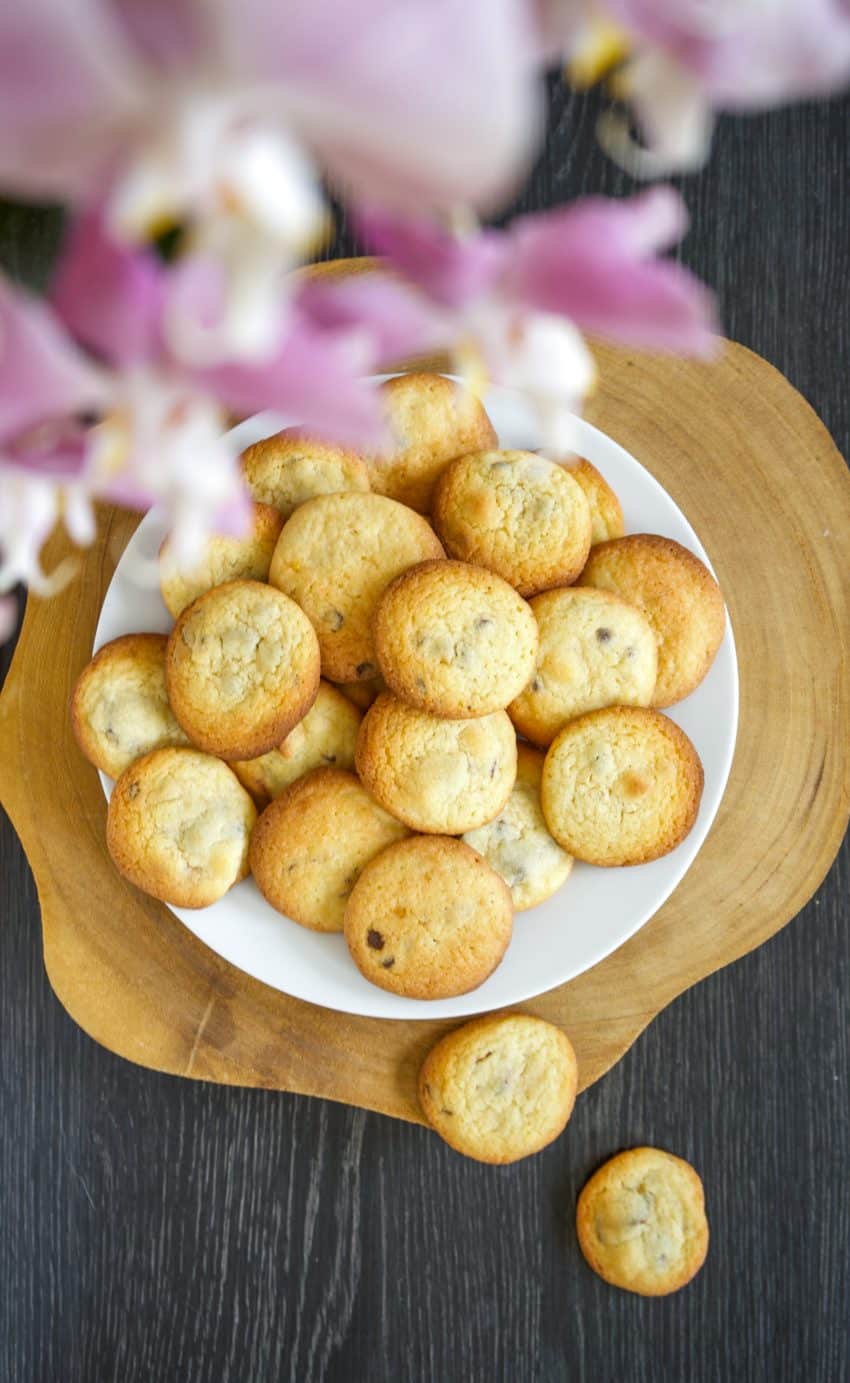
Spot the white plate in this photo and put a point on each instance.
(596, 910)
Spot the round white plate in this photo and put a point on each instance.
(596, 910)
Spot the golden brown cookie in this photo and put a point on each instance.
(517, 842)
(119, 706)
(501, 1087)
(440, 776)
(432, 420)
(326, 736)
(311, 844)
(224, 559)
(641, 1222)
(363, 693)
(453, 639)
(679, 597)
(335, 557)
(606, 511)
(242, 668)
(514, 512)
(428, 918)
(289, 468)
(621, 786)
(178, 827)
(595, 650)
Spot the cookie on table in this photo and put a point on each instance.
(178, 827)
(606, 511)
(363, 693)
(679, 597)
(428, 918)
(517, 842)
(242, 668)
(519, 515)
(336, 556)
(621, 786)
(436, 775)
(454, 639)
(325, 737)
(311, 844)
(224, 559)
(432, 420)
(501, 1087)
(119, 706)
(289, 468)
(641, 1222)
(595, 650)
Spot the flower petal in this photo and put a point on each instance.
(451, 268)
(109, 296)
(400, 321)
(591, 263)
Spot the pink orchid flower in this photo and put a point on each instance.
(521, 297)
(217, 115)
(686, 59)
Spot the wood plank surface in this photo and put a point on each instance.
(156, 1228)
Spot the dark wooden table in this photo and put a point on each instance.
(154, 1229)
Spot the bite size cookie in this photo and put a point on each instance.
(517, 842)
(363, 693)
(289, 468)
(595, 650)
(336, 556)
(679, 597)
(428, 918)
(311, 844)
(641, 1222)
(517, 514)
(606, 511)
(178, 827)
(224, 559)
(242, 668)
(432, 420)
(326, 736)
(621, 786)
(119, 705)
(440, 776)
(501, 1087)
(453, 639)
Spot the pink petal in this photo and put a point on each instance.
(452, 269)
(169, 33)
(591, 263)
(399, 321)
(417, 103)
(43, 377)
(109, 296)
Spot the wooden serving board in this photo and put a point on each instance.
(758, 476)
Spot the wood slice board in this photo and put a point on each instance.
(760, 479)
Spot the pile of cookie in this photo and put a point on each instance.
(336, 709)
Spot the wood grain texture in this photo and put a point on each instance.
(153, 1228)
(755, 471)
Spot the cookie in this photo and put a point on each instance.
(119, 706)
(178, 827)
(679, 597)
(428, 918)
(335, 557)
(454, 640)
(440, 776)
(517, 514)
(641, 1222)
(326, 736)
(517, 842)
(242, 668)
(501, 1087)
(224, 559)
(595, 650)
(289, 468)
(432, 420)
(606, 511)
(621, 786)
(363, 693)
(311, 844)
